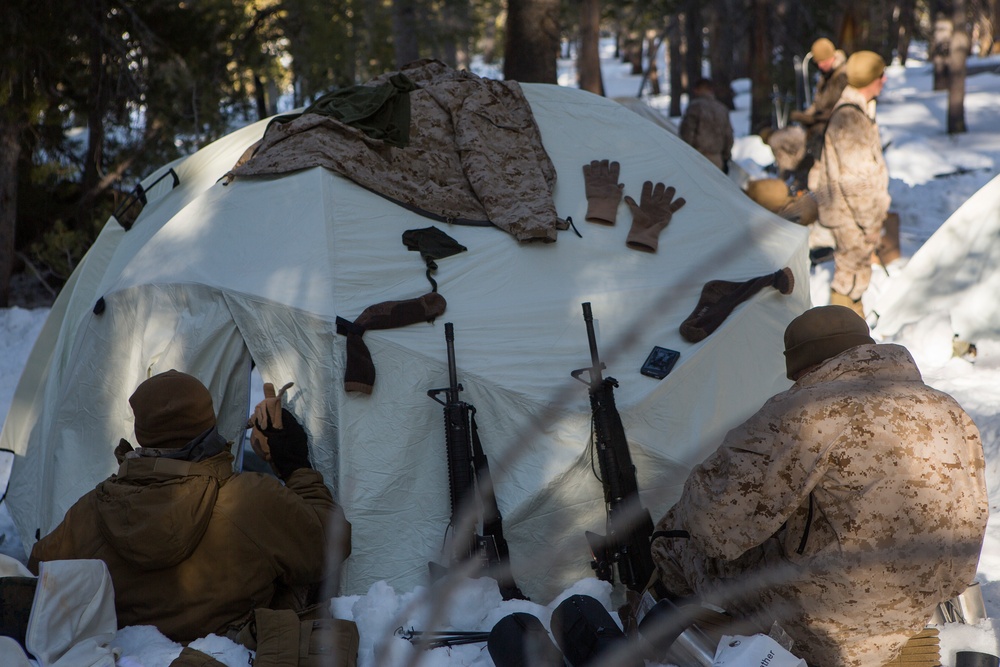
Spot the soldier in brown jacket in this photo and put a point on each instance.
(706, 125)
(193, 547)
(851, 180)
(846, 508)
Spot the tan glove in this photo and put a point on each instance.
(266, 416)
(604, 192)
(654, 212)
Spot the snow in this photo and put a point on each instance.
(932, 175)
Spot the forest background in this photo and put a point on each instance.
(95, 95)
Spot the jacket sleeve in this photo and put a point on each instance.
(301, 528)
(760, 475)
(77, 536)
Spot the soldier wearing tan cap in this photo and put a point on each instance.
(831, 63)
(847, 508)
(851, 180)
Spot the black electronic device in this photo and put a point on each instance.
(660, 362)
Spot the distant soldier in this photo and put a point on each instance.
(847, 508)
(851, 180)
(832, 65)
(706, 125)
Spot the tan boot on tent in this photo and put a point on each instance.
(838, 299)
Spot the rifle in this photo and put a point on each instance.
(469, 474)
(629, 524)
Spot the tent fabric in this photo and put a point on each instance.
(73, 617)
(964, 248)
(213, 276)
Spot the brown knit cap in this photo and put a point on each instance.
(864, 67)
(821, 333)
(171, 409)
(822, 49)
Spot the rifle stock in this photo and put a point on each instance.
(625, 547)
(469, 476)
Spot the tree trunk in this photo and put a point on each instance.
(907, 18)
(987, 27)
(10, 152)
(720, 51)
(652, 57)
(97, 101)
(532, 41)
(404, 32)
(692, 39)
(488, 43)
(676, 66)
(941, 45)
(588, 61)
(958, 53)
(760, 65)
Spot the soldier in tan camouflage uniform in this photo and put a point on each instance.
(832, 65)
(846, 508)
(851, 180)
(706, 125)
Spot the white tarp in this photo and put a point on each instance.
(955, 271)
(212, 276)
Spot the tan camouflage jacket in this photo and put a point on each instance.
(846, 508)
(851, 180)
(706, 127)
(475, 154)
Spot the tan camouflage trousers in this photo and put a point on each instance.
(852, 258)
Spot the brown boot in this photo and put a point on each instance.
(838, 299)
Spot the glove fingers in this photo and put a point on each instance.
(647, 190)
(677, 205)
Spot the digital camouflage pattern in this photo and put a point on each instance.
(475, 153)
(891, 472)
(706, 127)
(851, 185)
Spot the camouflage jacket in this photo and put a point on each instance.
(474, 154)
(707, 128)
(846, 508)
(829, 87)
(194, 548)
(851, 180)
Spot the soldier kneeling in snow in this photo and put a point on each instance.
(846, 508)
(193, 547)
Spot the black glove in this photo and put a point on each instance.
(288, 445)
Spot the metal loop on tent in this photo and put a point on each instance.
(132, 206)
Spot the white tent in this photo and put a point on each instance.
(955, 271)
(212, 276)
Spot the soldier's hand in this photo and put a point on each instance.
(266, 416)
(289, 447)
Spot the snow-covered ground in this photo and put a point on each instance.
(932, 175)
